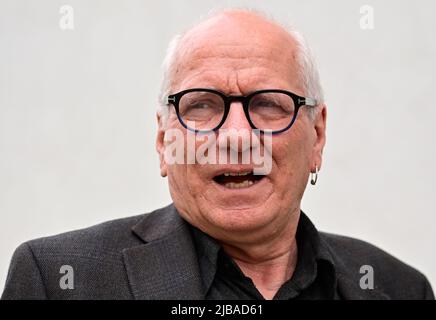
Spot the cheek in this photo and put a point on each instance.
(176, 178)
(185, 182)
(291, 155)
(182, 189)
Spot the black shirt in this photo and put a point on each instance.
(314, 276)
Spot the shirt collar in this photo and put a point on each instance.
(315, 261)
(207, 251)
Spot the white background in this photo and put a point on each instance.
(77, 117)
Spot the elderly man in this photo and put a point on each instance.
(232, 232)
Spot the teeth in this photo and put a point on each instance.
(235, 174)
(239, 185)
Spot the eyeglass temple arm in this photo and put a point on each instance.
(308, 102)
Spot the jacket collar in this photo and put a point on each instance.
(165, 266)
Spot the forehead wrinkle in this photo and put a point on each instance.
(240, 47)
(233, 83)
(256, 67)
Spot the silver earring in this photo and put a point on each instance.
(314, 176)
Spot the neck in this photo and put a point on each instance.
(269, 263)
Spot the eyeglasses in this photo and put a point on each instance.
(270, 110)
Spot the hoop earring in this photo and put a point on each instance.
(314, 176)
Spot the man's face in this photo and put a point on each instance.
(238, 55)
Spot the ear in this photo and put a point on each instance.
(320, 138)
(160, 145)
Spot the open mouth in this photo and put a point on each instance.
(237, 180)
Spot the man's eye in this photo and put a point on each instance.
(200, 105)
(266, 104)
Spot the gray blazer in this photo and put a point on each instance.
(152, 256)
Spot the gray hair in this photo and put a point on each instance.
(308, 70)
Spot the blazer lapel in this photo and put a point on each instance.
(166, 266)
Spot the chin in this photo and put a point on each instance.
(240, 219)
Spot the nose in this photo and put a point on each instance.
(236, 118)
(234, 135)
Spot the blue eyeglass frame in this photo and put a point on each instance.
(299, 102)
